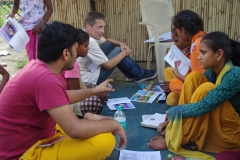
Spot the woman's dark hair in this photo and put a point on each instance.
(235, 53)
(82, 36)
(54, 38)
(219, 40)
(189, 20)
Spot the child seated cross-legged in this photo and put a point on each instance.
(170, 73)
(207, 117)
(190, 30)
(71, 80)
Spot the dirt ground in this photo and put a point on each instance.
(13, 59)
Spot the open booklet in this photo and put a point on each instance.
(151, 86)
(145, 96)
(139, 155)
(153, 121)
(124, 102)
(14, 34)
(183, 63)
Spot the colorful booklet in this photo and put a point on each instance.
(14, 34)
(145, 96)
(151, 86)
(124, 102)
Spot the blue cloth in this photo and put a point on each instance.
(127, 65)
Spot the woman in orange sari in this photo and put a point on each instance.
(189, 28)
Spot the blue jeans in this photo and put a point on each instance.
(127, 65)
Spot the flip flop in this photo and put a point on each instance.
(3, 64)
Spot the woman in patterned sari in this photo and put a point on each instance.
(207, 116)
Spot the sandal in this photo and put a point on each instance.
(3, 64)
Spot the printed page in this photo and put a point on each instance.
(14, 34)
(145, 96)
(154, 120)
(183, 63)
(139, 155)
(124, 102)
(19, 41)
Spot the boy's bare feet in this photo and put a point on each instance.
(157, 144)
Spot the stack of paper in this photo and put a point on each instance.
(154, 120)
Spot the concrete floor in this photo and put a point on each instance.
(118, 76)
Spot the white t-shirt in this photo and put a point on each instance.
(90, 65)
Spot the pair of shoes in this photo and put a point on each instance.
(147, 75)
(3, 64)
(129, 79)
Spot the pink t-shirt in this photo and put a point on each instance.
(74, 73)
(23, 104)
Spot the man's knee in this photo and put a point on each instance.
(107, 44)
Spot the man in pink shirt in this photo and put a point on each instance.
(34, 101)
(71, 80)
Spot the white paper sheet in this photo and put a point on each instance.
(139, 155)
(174, 54)
(162, 37)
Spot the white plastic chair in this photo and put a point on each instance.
(156, 15)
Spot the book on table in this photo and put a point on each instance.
(175, 55)
(14, 34)
(153, 121)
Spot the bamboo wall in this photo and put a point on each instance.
(218, 15)
(122, 24)
(70, 11)
(123, 17)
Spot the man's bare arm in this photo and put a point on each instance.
(78, 95)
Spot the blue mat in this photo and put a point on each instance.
(137, 135)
